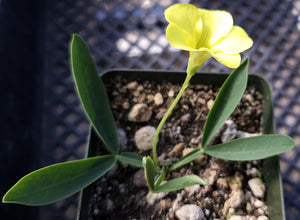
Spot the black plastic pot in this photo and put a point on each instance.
(271, 171)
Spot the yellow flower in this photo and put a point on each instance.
(206, 33)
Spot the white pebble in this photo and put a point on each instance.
(210, 104)
(258, 203)
(158, 99)
(210, 176)
(189, 212)
(144, 138)
(122, 138)
(236, 199)
(260, 211)
(171, 93)
(236, 217)
(257, 187)
(191, 190)
(262, 217)
(153, 197)
(230, 131)
(254, 172)
(140, 113)
(132, 85)
(249, 217)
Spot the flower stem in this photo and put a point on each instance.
(168, 112)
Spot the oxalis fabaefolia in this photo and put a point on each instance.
(205, 34)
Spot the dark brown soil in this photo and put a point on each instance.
(115, 196)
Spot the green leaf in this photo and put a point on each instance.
(186, 159)
(56, 182)
(160, 178)
(180, 183)
(252, 148)
(226, 101)
(92, 94)
(132, 159)
(150, 171)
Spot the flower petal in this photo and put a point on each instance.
(215, 25)
(179, 38)
(229, 60)
(187, 18)
(235, 42)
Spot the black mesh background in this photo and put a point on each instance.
(130, 34)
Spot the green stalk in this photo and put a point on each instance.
(163, 120)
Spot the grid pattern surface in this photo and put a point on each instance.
(130, 34)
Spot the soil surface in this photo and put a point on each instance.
(123, 194)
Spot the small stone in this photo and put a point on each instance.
(186, 117)
(258, 203)
(139, 178)
(231, 211)
(132, 85)
(254, 172)
(250, 99)
(210, 176)
(207, 212)
(140, 88)
(249, 217)
(164, 204)
(248, 166)
(175, 205)
(210, 104)
(230, 131)
(126, 105)
(96, 211)
(243, 134)
(236, 199)
(236, 217)
(266, 209)
(122, 188)
(235, 182)
(144, 138)
(260, 211)
(122, 138)
(257, 187)
(222, 183)
(109, 204)
(217, 164)
(262, 217)
(150, 98)
(201, 101)
(191, 190)
(248, 196)
(171, 93)
(208, 203)
(185, 107)
(206, 190)
(151, 198)
(176, 151)
(189, 212)
(158, 99)
(249, 207)
(141, 98)
(140, 113)
(195, 141)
